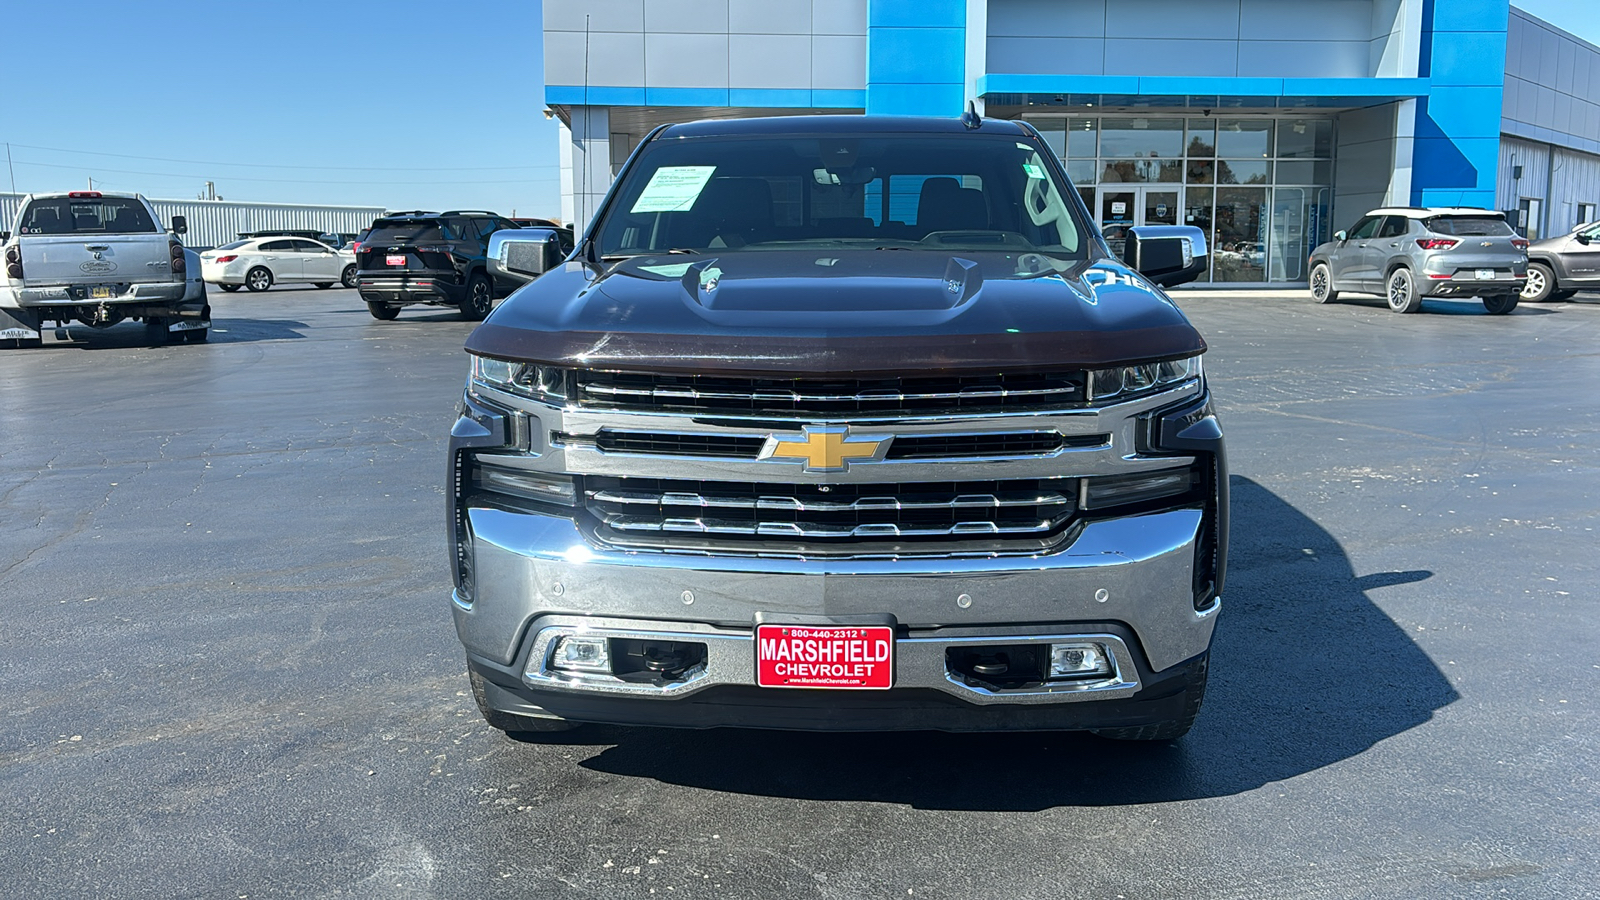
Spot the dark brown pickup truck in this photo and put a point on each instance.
(844, 423)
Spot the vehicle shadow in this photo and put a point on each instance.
(1306, 671)
(130, 335)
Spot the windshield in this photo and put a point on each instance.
(406, 233)
(1469, 226)
(951, 192)
(97, 215)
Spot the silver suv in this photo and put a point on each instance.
(1559, 267)
(1405, 254)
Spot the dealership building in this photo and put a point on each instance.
(1268, 123)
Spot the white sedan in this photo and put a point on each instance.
(259, 263)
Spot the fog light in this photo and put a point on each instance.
(1077, 660)
(581, 654)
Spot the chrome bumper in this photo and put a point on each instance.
(534, 573)
(160, 292)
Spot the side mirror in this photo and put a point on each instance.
(5, 235)
(1168, 255)
(180, 225)
(1581, 237)
(1341, 236)
(524, 253)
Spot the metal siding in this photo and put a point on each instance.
(1535, 162)
(1574, 179)
(213, 223)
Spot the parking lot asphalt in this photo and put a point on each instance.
(228, 668)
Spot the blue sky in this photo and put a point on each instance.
(404, 103)
(401, 103)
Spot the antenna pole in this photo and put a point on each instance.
(588, 139)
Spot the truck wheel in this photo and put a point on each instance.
(1500, 304)
(258, 279)
(1541, 283)
(156, 333)
(348, 276)
(383, 312)
(1322, 284)
(479, 300)
(1402, 292)
(510, 723)
(1172, 729)
(230, 288)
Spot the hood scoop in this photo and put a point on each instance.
(830, 288)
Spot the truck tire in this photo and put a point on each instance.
(479, 300)
(230, 288)
(258, 279)
(1172, 729)
(383, 312)
(348, 277)
(1401, 291)
(1322, 284)
(156, 333)
(1541, 284)
(1500, 304)
(511, 723)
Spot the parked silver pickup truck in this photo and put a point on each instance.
(98, 258)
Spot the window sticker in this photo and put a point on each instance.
(674, 271)
(673, 189)
(1034, 171)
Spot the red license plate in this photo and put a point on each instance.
(859, 658)
(395, 260)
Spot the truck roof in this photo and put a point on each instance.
(55, 194)
(810, 125)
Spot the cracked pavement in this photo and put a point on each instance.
(228, 669)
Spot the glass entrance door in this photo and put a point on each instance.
(1123, 206)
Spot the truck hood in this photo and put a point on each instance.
(794, 313)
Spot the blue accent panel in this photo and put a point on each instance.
(664, 96)
(915, 99)
(1243, 87)
(598, 95)
(771, 97)
(1463, 112)
(1454, 163)
(917, 13)
(1057, 84)
(916, 55)
(1471, 15)
(1356, 87)
(1467, 58)
(838, 99)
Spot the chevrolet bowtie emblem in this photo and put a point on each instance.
(825, 448)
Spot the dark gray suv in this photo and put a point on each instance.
(1559, 267)
(1405, 254)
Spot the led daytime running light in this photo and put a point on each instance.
(546, 383)
(1128, 382)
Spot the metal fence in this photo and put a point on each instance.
(213, 223)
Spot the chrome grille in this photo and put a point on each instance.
(923, 516)
(1017, 444)
(718, 395)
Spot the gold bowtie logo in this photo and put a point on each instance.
(824, 449)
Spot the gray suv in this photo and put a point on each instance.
(1559, 267)
(1405, 254)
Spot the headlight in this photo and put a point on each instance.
(1128, 382)
(546, 383)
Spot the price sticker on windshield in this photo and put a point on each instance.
(673, 189)
(1034, 170)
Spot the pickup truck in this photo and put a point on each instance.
(840, 423)
(99, 258)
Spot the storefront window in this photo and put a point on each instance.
(1243, 171)
(1244, 138)
(1197, 204)
(1239, 253)
(1299, 224)
(1083, 138)
(1202, 137)
(1305, 138)
(1305, 172)
(1081, 171)
(1054, 132)
(1141, 138)
(1133, 171)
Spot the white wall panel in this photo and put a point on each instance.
(686, 60)
(839, 17)
(839, 62)
(688, 16)
(769, 60)
(767, 17)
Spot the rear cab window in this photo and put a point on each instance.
(86, 215)
(1470, 226)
